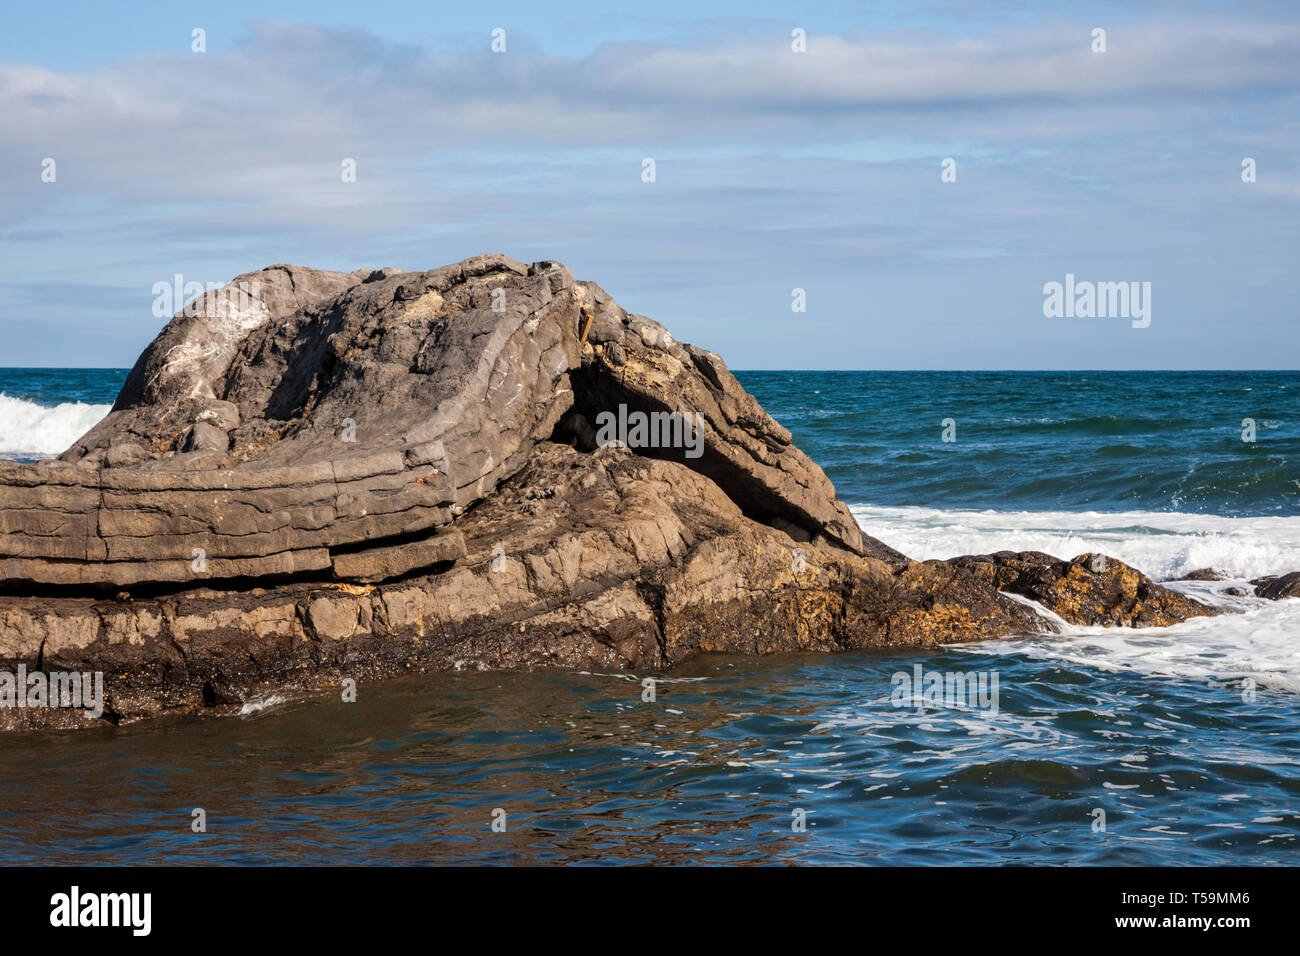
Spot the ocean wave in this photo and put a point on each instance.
(1253, 639)
(259, 704)
(29, 430)
(1164, 545)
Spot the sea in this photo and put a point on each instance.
(1176, 746)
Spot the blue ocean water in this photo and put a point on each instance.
(1110, 441)
(51, 387)
(1175, 746)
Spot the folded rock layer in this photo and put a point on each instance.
(356, 473)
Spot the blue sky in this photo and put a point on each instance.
(775, 170)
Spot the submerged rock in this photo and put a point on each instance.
(353, 474)
(1203, 574)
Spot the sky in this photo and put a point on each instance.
(775, 169)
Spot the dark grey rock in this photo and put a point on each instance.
(1276, 588)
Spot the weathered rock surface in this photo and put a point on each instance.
(350, 475)
(637, 363)
(1090, 589)
(338, 411)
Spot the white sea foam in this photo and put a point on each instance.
(1161, 544)
(1257, 639)
(29, 430)
(1259, 644)
(259, 704)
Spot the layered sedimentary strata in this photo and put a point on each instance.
(364, 407)
(352, 474)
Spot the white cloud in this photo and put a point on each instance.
(286, 105)
(775, 169)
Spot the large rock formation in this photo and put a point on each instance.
(354, 474)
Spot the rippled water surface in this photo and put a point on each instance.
(712, 771)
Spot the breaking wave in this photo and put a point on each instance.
(30, 430)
